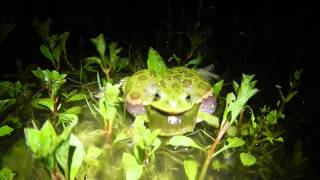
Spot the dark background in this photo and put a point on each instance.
(268, 38)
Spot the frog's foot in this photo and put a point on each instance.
(208, 118)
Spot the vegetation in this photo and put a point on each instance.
(75, 125)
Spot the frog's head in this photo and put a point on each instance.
(171, 100)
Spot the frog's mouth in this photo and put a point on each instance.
(172, 123)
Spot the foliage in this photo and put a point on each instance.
(244, 145)
(109, 63)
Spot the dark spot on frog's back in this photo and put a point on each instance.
(203, 86)
(188, 74)
(186, 83)
(143, 77)
(177, 77)
(134, 95)
(175, 86)
(163, 83)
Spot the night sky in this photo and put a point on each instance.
(266, 38)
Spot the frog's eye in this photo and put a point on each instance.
(156, 97)
(188, 98)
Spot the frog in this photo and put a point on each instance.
(172, 101)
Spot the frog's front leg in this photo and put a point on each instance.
(210, 119)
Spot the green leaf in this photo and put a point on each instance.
(234, 105)
(217, 87)
(196, 61)
(247, 159)
(61, 156)
(74, 148)
(46, 52)
(208, 118)
(121, 136)
(190, 168)
(155, 62)
(235, 142)
(183, 141)
(48, 103)
(6, 174)
(92, 60)
(56, 53)
(67, 119)
(77, 156)
(77, 97)
(100, 44)
(290, 96)
(272, 117)
(132, 168)
(42, 142)
(5, 104)
(8, 88)
(5, 130)
(73, 110)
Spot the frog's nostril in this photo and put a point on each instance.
(156, 97)
(188, 98)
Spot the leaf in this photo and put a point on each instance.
(208, 118)
(132, 168)
(217, 87)
(247, 159)
(7, 87)
(235, 142)
(183, 141)
(272, 117)
(6, 174)
(77, 97)
(196, 61)
(67, 119)
(235, 104)
(48, 103)
(73, 110)
(121, 136)
(100, 44)
(77, 156)
(155, 62)
(92, 60)
(190, 168)
(46, 52)
(42, 142)
(5, 130)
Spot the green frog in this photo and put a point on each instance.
(173, 101)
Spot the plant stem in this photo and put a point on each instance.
(212, 149)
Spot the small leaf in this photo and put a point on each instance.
(235, 142)
(183, 141)
(77, 156)
(77, 97)
(5, 130)
(272, 117)
(6, 174)
(73, 110)
(155, 62)
(46, 52)
(47, 102)
(190, 168)
(100, 44)
(217, 87)
(196, 61)
(67, 119)
(121, 136)
(247, 159)
(132, 168)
